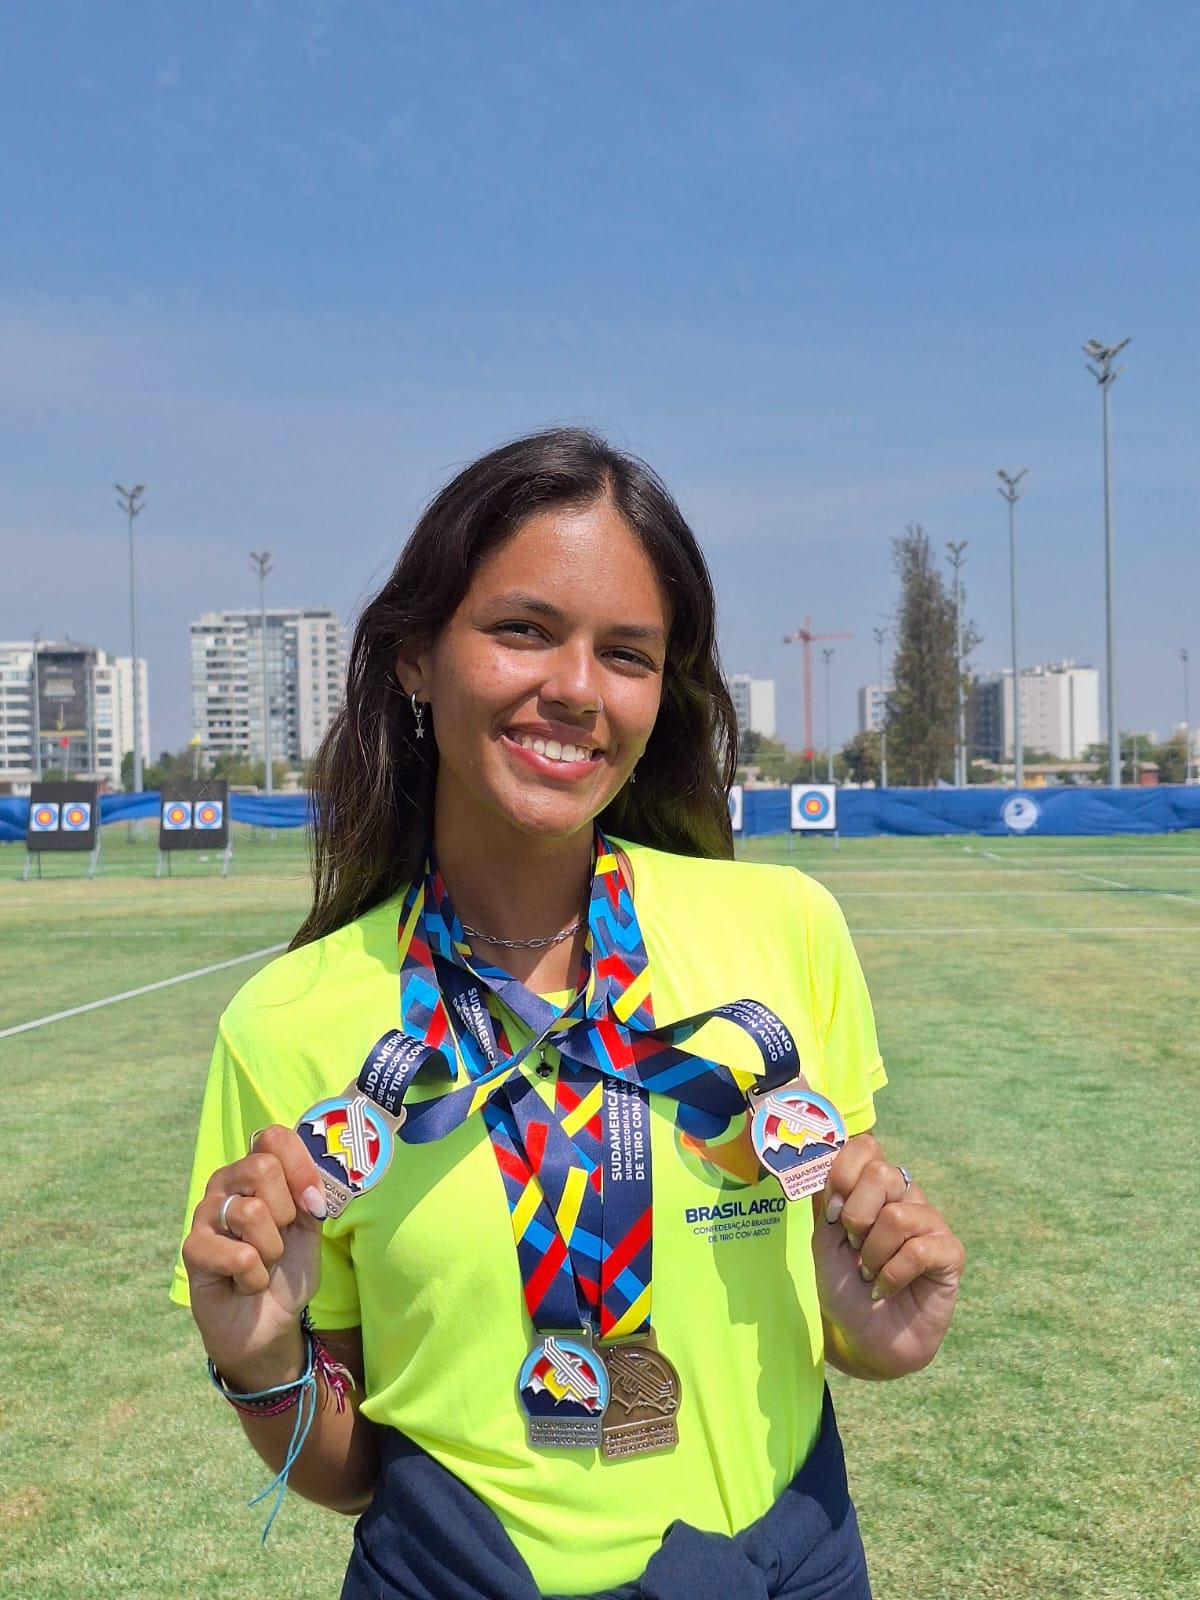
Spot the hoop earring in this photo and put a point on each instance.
(418, 711)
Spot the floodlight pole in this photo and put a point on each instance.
(1100, 365)
(1010, 492)
(1187, 721)
(37, 710)
(827, 653)
(260, 560)
(131, 503)
(956, 547)
(880, 636)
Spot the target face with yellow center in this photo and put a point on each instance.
(814, 806)
(43, 818)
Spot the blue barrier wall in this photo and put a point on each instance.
(861, 812)
(865, 812)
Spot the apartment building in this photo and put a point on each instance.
(304, 662)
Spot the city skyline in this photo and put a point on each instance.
(371, 245)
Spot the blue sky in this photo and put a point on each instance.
(827, 268)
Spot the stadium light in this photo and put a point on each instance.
(37, 710)
(131, 502)
(827, 654)
(1100, 365)
(880, 635)
(260, 560)
(957, 547)
(1187, 720)
(1009, 492)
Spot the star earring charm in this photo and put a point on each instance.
(419, 714)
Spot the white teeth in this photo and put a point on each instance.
(553, 750)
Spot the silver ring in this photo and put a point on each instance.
(907, 1176)
(223, 1214)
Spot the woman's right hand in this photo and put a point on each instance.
(251, 1279)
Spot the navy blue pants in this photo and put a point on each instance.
(426, 1536)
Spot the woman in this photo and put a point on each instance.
(570, 1338)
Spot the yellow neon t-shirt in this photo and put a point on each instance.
(425, 1261)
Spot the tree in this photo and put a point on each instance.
(922, 707)
(1137, 753)
(1172, 760)
(861, 757)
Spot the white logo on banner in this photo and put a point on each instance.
(1019, 813)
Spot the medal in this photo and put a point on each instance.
(562, 1390)
(351, 1141)
(797, 1134)
(644, 1402)
(351, 1136)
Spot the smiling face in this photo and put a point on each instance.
(545, 683)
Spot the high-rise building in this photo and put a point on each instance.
(753, 703)
(872, 704)
(80, 718)
(304, 680)
(1060, 711)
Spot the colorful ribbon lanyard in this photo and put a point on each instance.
(579, 1183)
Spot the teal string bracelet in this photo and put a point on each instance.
(300, 1393)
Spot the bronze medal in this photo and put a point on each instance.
(645, 1399)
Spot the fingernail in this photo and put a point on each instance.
(314, 1202)
(853, 1240)
(833, 1207)
(865, 1272)
(877, 1292)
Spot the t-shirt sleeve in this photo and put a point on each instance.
(854, 1067)
(236, 1104)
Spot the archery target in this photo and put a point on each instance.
(194, 815)
(43, 817)
(814, 805)
(736, 807)
(76, 817)
(177, 816)
(63, 816)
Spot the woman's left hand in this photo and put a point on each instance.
(887, 1265)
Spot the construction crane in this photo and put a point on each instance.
(805, 636)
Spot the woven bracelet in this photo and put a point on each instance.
(301, 1393)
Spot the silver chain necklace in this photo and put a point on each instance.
(522, 944)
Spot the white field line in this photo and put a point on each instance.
(963, 869)
(173, 933)
(146, 988)
(943, 894)
(1091, 877)
(990, 933)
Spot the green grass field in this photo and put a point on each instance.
(1036, 1011)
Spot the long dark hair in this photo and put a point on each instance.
(372, 782)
